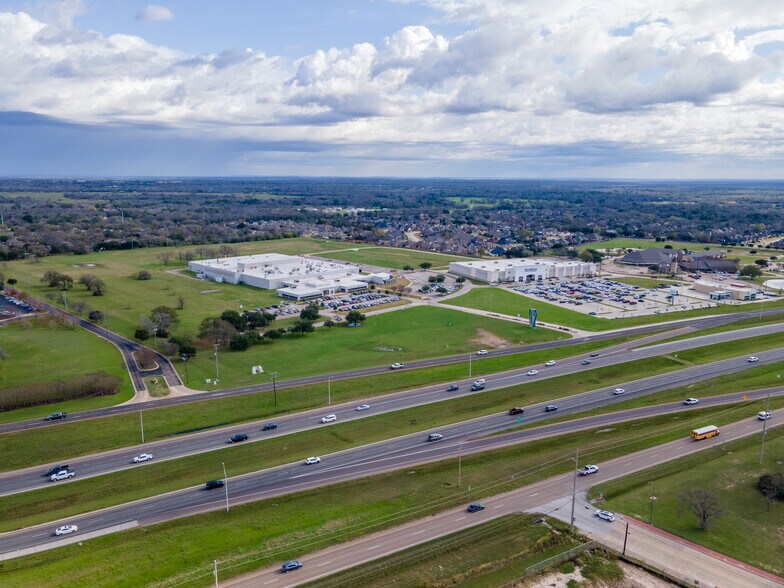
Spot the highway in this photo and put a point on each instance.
(384, 456)
(126, 346)
(213, 440)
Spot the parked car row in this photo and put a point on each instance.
(21, 304)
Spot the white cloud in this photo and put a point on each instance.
(155, 13)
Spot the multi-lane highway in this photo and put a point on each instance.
(173, 379)
(112, 461)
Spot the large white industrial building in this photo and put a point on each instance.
(291, 276)
(521, 270)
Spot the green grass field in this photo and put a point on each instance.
(504, 302)
(267, 532)
(746, 530)
(741, 253)
(389, 257)
(39, 352)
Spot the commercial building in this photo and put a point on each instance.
(734, 290)
(521, 270)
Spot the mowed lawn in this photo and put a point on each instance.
(746, 530)
(505, 302)
(390, 257)
(127, 298)
(400, 336)
(45, 353)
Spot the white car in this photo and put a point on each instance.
(606, 515)
(62, 475)
(330, 418)
(588, 469)
(619, 391)
(66, 530)
(550, 363)
(142, 457)
(480, 382)
(482, 352)
(691, 401)
(312, 460)
(397, 366)
(753, 359)
(532, 372)
(363, 407)
(764, 415)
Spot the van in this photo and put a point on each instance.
(705, 432)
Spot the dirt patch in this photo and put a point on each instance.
(633, 577)
(487, 339)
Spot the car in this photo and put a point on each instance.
(363, 407)
(142, 457)
(532, 373)
(585, 362)
(330, 418)
(475, 507)
(54, 469)
(238, 437)
(452, 388)
(690, 401)
(764, 415)
(550, 408)
(550, 363)
(397, 366)
(212, 484)
(480, 382)
(594, 355)
(592, 313)
(312, 460)
(435, 437)
(290, 566)
(605, 515)
(619, 391)
(66, 530)
(482, 352)
(269, 427)
(516, 410)
(62, 475)
(587, 470)
(56, 416)
(753, 359)
(476, 387)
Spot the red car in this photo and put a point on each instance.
(516, 410)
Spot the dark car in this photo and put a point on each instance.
(53, 470)
(55, 416)
(594, 355)
(452, 388)
(290, 566)
(238, 437)
(269, 427)
(477, 387)
(475, 507)
(585, 362)
(550, 408)
(212, 484)
(516, 410)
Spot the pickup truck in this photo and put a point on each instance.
(62, 475)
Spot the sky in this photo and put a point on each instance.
(665, 89)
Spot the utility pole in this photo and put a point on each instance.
(184, 358)
(141, 425)
(469, 365)
(216, 360)
(576, 459)
(226, 485)
(653, 498)
(329, 390)
(765, 426)
(625, 538)
(459, 465)
(273, 375)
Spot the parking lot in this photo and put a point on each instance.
(11, 307)
(360, 300)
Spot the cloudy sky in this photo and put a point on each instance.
(491, 88)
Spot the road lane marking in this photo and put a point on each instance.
(271, 581)
(323, 564)
(374, 547)
(419, 532)
(460, 519)
(499, 506)
(534, 494)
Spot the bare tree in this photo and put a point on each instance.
(79, 307)
(702, 504)
(180, 303)
(87, 280)
(164, 257)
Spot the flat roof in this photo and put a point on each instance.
(516, 262)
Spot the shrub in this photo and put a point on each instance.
(144, 275)
(97, 384)
(141, 334)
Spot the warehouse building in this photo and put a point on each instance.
(521, 270)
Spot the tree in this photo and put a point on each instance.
(12, 281)
(761, 262)
(95, 316)
(164, 257)
(408, 267)
(50, 278)
(256, 320)
(772, 487)
(141, 334)
(98, 287)
(425, 265)
(180, 302)
(234, 319)
(460, 279)
(329, 323)
(216, 330)
(302, 327)
(239, 343)
(702, 504)
(310, 312)
(64, 282)
(144, 275)
(184, 345)
(87, 280)
(750, 271)
(162, 318)
(354, 316)
(79, 307)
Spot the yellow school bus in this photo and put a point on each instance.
(705, 432)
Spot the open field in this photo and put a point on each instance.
(400, 336)
(41, 351)
(745, 531)
(741, 324)
(267, 532)
(395, 258)
(504, 302)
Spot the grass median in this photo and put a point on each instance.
(40, 446)
(59, 501)
(267, 532)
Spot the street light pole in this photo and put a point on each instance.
(216, 360)
(469, 365)
(653, 497)
(329, 390)
(184, 358)
(576, 459)
(226, 485)
(273, 375)
(459, 465)
(765, 426)
(141, 425)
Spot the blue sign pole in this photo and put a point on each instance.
(532, 317)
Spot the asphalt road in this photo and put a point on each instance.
(171, 375)
(541, 497)
(362, 461)
(112, 461)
